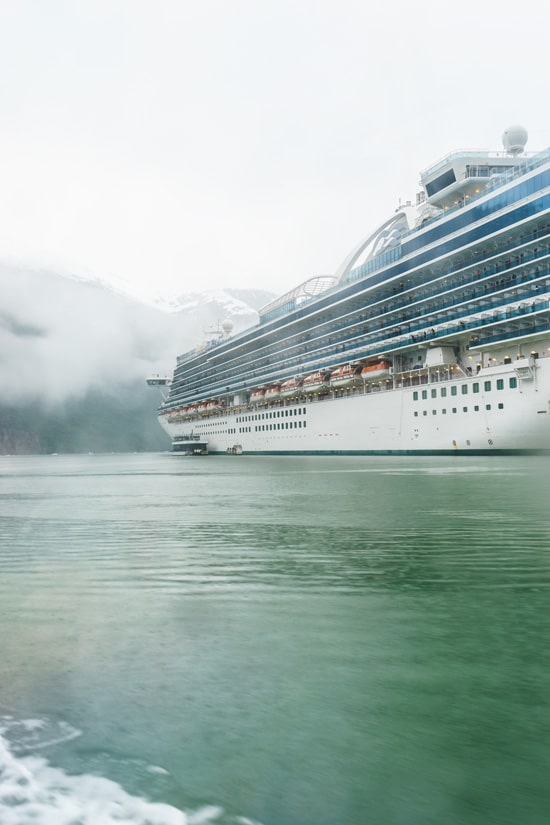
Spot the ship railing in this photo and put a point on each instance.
(368, 268)
(406, 378)
(496, 181)
(474, 274)
(472, 268)
(407, 330)
(188, 357)
(516, 276)
(487, 315)
(530, 159)
(537, 327)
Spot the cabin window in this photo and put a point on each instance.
(416, 414)
(454, 390)
(476, 408)
(513, 383)
(501, 406)
(475, 387)
(434, 412)
(424, 393)
(487, 386)
(464, 409)
(443, 411)
(464, 389)
(454, 409)
(415, 395)
(443, 392)
(500, 383)
(434, 393)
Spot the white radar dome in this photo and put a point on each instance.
(227, 326)
(514, 139)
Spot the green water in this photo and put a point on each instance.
(297, 641)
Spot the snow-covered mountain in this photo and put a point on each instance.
(232, 302)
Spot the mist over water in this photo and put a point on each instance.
(289, 641)
(75, 355)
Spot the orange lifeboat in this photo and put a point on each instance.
(344, 376)
(257, 396)
(374, 372)
(272, 393)
(202, 408)
(292, 386)
(315, 382)
(175, 414)
(214, 405)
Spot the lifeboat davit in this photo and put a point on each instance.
(315, 382)
(344, 376)
(257, 395)
(272, 393)
(374, 372)
(292, 386)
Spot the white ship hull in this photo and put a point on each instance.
(397, 420)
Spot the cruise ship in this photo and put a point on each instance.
(433, 336)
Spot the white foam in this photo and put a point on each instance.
(32, 792)
(157, 769)
(35, 734)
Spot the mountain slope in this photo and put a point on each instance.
(74, 356)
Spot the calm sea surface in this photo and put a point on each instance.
(284, 641)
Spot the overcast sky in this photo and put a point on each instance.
(180, 144)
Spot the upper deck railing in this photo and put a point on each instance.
(470, 153)
(281, 307)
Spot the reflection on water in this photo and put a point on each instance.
(298, 641)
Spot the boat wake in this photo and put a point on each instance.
(26, 735)
(32, 790)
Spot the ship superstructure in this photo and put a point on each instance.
(433, 336)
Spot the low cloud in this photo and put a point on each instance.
(60, 337)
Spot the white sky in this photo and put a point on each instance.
(188, 144)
